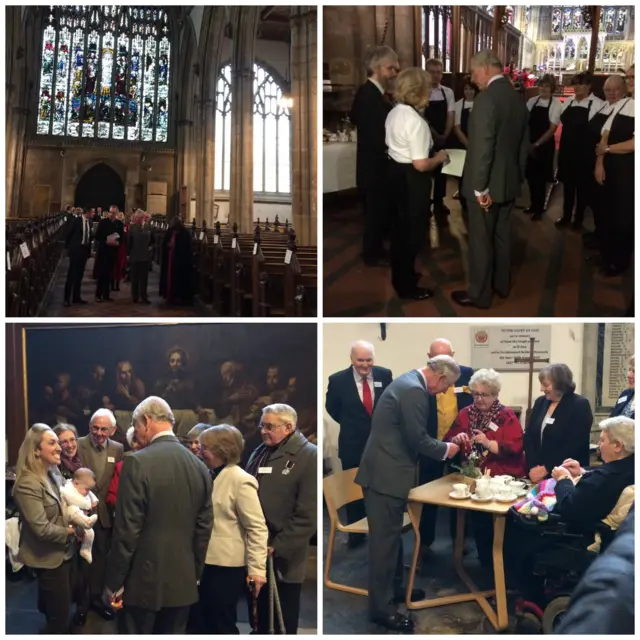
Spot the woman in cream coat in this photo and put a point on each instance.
(237, 551)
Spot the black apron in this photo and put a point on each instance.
(540, 163)
(594, 135)
(454, 142)
(575, 151)
(619, 171)
(436, 115)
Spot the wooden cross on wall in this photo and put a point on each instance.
(531, 361)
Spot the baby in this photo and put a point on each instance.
(79, 500)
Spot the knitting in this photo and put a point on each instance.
(540, 500)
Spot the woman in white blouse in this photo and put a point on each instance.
(544, 118)
(409, 145)
(237, 552)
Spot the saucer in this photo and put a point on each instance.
(455, 496)
(509, 498)
(475, 498)
(522, 493)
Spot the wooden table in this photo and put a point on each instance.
(437, 493)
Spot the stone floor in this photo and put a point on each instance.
(344, 613)
(122, 305)
(23, 618)
(550, 275)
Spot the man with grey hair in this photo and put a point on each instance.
(352, 395)
(369, 112)
(497, 151)
(162, 528)
(387, 474)
(100, 453)
(286, 467)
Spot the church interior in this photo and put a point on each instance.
(209, 374)
(206, 114)
(554, 274)
(458, 594)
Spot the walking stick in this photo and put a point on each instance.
(274, 599)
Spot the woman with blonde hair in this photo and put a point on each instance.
(626, 403)
(411, 162)
(239, 537)
(47, 542)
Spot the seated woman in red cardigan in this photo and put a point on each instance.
(495, 434)
(112, 494)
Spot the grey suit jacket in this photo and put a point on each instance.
(290, 504)
(139, 243)
(115, 453)
(44, 540)
(398, 437)
(498, 143)
(162, 526)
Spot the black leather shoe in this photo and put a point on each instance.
(563, 222)
(80, 301)
(441, 209)
(79, 619)
(462, 298)
(419, 293)
(528, 210)
(416, 594)
(103, 612)
(396, 622)
(109, 299)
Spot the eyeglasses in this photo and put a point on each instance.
(104, 430)
(69, 441)
(481, 395)
(266, 426)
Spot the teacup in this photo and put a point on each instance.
(461, 489)
(516, 485)
(504, 493)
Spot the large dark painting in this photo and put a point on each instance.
(210, 373)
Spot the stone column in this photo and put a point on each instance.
(245, 25)
(304, 91)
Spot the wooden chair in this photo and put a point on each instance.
(339, 490)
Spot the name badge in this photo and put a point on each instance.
(458, 389)
(265, 470)
(621, 400)
(550, 420)
(377, 384)
(493, 426)
(111, 459)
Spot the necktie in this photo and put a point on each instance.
(367, 400)
(84, 231)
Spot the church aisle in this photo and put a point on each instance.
(122, 305)
(551, 277)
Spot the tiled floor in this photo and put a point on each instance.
(550, 275)
(122, 305)
(22, 616)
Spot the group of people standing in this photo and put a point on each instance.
(406, 119)
(445, 412)
(180, 535)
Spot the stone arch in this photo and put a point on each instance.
(101, 185)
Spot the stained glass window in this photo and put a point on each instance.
(271, 134)
(105, 73)
(556, 21)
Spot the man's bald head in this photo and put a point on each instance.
(362, 356)
(441, 347)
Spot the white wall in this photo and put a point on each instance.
(406, 348)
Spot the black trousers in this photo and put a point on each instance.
(139, 280)
(55, 595)
(220, 590)
(377, 214)
(576, 192)
(82, 593)
(355, 510)
(618, 225)
(439, 186)
(97, 573)
(289, 594)
(537, 192)
(106, 259)
(167, 621)
(73, 283)
(429, 470)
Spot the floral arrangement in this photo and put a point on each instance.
(471, 468)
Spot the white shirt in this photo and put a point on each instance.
(408, 135)
(358, 379)
(626, 107)
(162, 434)
(446, 455)
(555, 110)
(436, 96)
(459, 106)
(596, 104)
(380, 89)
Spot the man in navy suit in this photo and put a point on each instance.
(78, 245)
(443, 410)
(351, 397)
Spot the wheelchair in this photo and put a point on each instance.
(559, 567)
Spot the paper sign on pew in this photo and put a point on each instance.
(25, 250)
(8, 261)
(234, 243)
(202, 235)
(287, 256)
(255, 248)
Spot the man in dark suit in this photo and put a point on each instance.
(387, 474)
(106, 251)
(162, 527)
(493, 174)
(443, 410)
(369, 114)
(101, 454)
(78, 245)
(352, 395)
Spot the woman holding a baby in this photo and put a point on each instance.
(53, 516)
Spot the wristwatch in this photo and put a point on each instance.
(607, 150)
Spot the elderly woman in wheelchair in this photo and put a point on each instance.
(549, 558)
